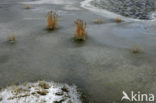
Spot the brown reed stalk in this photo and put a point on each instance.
(98, 21)
(52, 20)
(12, 38)
(27, 6)
(118, 20)
(80, 33)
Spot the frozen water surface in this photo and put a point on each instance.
(102, 66)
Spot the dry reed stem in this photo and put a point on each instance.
(27, 6)
(52, 20)
(118, 20)
(80, 33)
(12, 38)
(98, 21)
(136, 50)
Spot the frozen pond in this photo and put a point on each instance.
(102, 67)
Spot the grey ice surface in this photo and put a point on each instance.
(102, 66)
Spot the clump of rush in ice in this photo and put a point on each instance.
(80, 32)
(136, 49)
(27, 6)
(12, 38)
(98, 21)
(52, 20)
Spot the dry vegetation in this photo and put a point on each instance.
(52, 20)
(136, 50)
(27, 6)
(80, 33)
(43, 85)
(98, 21)
(12, 38)
(118, 20)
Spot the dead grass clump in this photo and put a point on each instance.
(136, 50)
(64, 89)
(61, 101)
(118, 20)
(43, 85)
(59, 93)
(42, 92)
(98, 21)
(27, 6)
(19, 90)
(12, 38)
(52, 20)
(80, 33)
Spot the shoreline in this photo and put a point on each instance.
(108, 14)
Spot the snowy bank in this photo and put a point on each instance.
(40, 92)
(104, 12)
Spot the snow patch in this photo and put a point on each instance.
(40, 92)
(105, 13)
